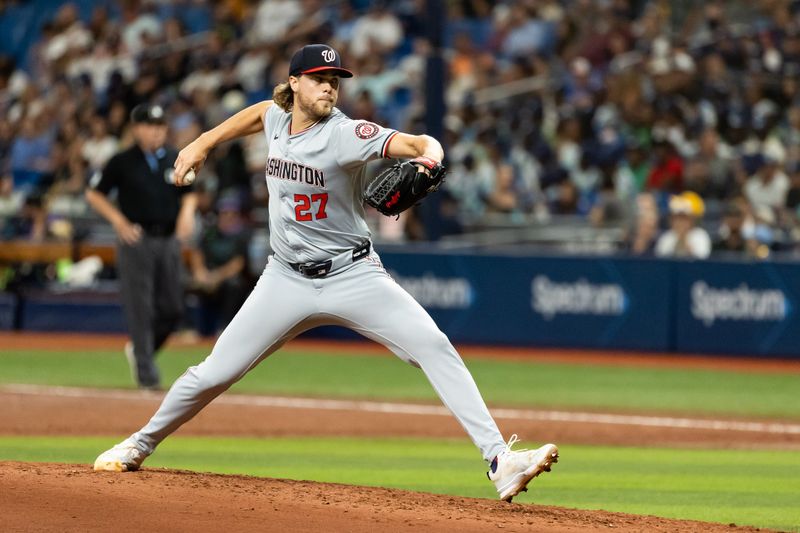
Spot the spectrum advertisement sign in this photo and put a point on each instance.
(541, 301)
(747, 308)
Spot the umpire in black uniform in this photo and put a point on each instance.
(153, 217)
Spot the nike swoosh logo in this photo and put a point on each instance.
(275, 138)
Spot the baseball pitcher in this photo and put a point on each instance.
(324, 270)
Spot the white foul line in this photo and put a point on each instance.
(418, 409)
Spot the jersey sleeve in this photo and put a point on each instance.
(107, 179)
(271, 119)
(359, 141)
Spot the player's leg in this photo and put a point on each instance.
(276, 310)
(168, 291)
(367, 300)
(136, 265)
(370, 302)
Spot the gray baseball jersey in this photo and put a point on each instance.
(316, 178)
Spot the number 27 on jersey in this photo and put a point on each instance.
(311, 207)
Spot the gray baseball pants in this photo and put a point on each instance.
(360, 296)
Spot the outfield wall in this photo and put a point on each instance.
(552, 301)
(581, 302)
(608, 302)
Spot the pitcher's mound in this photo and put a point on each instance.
(63, 497)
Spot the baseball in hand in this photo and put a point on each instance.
(188, 178)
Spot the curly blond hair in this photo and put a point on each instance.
(283, 96)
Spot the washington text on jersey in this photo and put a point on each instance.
(291, 171)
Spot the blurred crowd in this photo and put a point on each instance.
(675, 121)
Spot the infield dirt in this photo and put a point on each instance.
(59, 497)
(97, 413)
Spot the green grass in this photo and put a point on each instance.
(742, 486)
(746, 487)
(513, 383)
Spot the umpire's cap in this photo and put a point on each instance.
(317, 58)
(149, 114)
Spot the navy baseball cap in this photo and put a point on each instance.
(317, 58)
(147, 113)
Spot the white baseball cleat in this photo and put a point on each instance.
(124, 457)
(515, 469)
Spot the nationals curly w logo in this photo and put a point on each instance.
(328, 55)
(366, 130)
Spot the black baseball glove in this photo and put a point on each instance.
(403, 184)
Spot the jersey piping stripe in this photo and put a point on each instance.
(385, 148)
